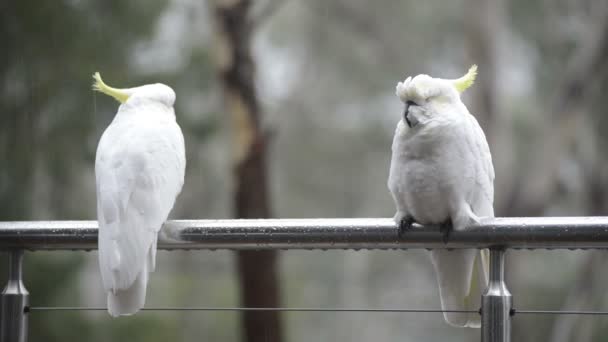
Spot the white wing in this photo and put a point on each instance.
(482, 199)
(139, 170)
(396, 184)
(462, 275)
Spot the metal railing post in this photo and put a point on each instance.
(13, 301)
(496, 302)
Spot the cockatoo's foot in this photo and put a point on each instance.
(405, 224)
(445, 228)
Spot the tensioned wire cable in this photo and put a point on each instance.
(294, 309)
(77, 308)
(560, 312)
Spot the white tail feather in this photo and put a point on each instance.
(462, 278)
(128, 301)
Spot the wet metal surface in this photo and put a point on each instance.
(363, 233)
(496, 302)
(13, 301)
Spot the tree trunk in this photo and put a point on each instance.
(257, 269)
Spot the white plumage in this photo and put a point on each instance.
(139, 169)
(441, 171)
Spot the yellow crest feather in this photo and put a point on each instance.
(467, 80)
(100, 86)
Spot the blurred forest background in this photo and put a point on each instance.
(325, 77)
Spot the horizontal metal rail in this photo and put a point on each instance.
(497, 234)
(363, 233)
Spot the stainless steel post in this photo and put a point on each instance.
(13, 301)
(496, 302)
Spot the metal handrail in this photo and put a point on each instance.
(497, 234)
(363, 233)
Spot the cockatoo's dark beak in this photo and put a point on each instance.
(411, 122)
(407, 121)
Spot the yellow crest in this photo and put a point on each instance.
(467, 80)
(119, 94)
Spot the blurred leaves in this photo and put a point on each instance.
(326, 75)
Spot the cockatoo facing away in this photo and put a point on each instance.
(441, 171)
(139, 170)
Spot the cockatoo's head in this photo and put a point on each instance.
(426, 97)
(157, 92)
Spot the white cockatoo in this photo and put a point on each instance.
(139, 169)
(441, 172)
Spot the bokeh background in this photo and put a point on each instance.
(325, 77)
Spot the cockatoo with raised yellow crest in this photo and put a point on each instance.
(139, 171)
(441, 172)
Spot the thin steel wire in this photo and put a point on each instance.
(78, 308)
(561, 312)
(370, 310)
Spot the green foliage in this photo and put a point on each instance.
(51, 51)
